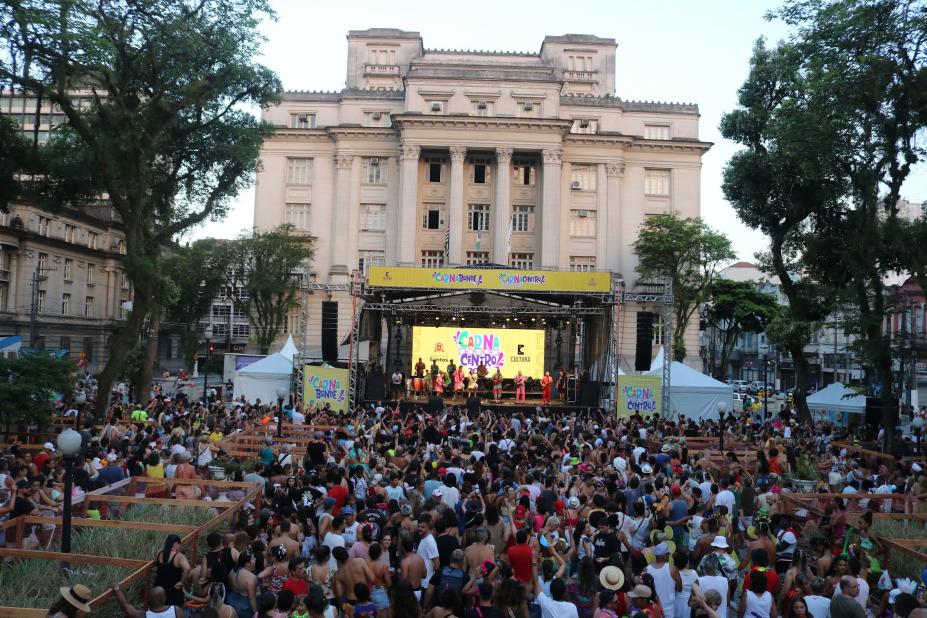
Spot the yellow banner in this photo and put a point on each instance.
(323, 385)
(639, 395)
(513, 280)
(509, 349)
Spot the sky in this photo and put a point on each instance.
(668, 50)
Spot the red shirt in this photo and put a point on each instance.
(340, 494)
(299, 587)
(40, 461)
(521, 557)
(772, 579)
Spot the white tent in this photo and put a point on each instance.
(289, 348)
(835, 403)
(260, 380)
(692, 393)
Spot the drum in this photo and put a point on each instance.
(418, 384)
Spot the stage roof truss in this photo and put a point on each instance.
(559, 310)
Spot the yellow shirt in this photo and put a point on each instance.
(215, 437)
(155, 472)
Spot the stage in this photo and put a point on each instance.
(508, 405)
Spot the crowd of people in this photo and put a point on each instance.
(415, 513)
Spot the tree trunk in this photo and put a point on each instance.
(120, 344)
(146, 366)
(802, 377)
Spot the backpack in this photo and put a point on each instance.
(451, 577)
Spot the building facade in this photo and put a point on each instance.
(443, 158)
(62, 285)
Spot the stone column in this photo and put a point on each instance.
(455, 217)
(352, 235)
(408, 207)
(502, 209)
(550, 208)
(613, 233)
(602, 218)
(340, 218)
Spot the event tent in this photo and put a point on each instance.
(692, 393)
(835, 403)
(260, 380)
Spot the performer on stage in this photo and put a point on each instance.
(497, 386)
(520, 387)
(546, 381)
(472, 380)
(458, 382)
(420, 368)
(439, 384)
(562, 385)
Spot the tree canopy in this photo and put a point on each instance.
(736, 308)
(29, 384)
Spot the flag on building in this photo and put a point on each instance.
(479, 237)
(447, 241)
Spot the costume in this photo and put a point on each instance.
(439, 385)
(546, 381)
(497, 387)
(458, 381)
(519, 387)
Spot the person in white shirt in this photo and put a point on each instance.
(297, 418)
(427, 547)
(334, 539)
(711, 580)
(666, 580)
(725, 497)
(555, 605)
(818, 605)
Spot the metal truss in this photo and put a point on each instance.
(482, 310)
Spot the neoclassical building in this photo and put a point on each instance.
(442, 158)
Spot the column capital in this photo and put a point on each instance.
(553, 155)
(615, 170)
(409, 151)
(458, 153)
(344, 161)
(503, 155)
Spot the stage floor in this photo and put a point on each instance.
(508, 404)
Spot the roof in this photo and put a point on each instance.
(837, 398)
(588, 39)
(273, 365)
(383, 33)
(742, 265)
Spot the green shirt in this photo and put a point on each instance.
(139, 415)
(844, 607)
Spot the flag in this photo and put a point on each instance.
(447, 241)
(508, 240)
(479, 236)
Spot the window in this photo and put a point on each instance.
(580, 63)
(370, 258)
(524, 174)
(91, 271)
(523, 261)
(92, 240)
(478, 217)
(435, 107)
(376, 171)
(44, 226)
(88, 306)
(585, 126)
(433, 217)
(64, 343)
(582, 263)
(480, 174)
(221, 312)
(522, 218)
(121, 247)
(656, 131)
(474, 258)
(582, 223)
(656, 182)
(240, 311)
(376, 119)
(483, 108)
(434, 171)
(68, 233)
(373, 217)
(241, 331)
(88, 348)
(123, 280)
(297, 215)
(583, 177)
(43, 263)
(529, 109)
(40, 301)
(302, 121)
(381, 56)
(299, 171)
(292, 322)
(658, 329)
(65, 304)
(432, 259)
(68, 265)
(3, 260)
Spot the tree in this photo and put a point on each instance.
(197, 273)
(28, 385)
(690, 254)
(264, 264)
(153, 93)
(736, 308)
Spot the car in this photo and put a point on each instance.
(739, 386)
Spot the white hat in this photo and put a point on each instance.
(916, 467)
(49, 446)
(437, 493)
(111, 457)
(573, 502)
(666, 448)
(620, 462)
(647, 468)
(177, 449)
(720, 542)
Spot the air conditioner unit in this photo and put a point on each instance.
(582, 214)
(436, 107)
(303, 118)
(376, 115)
(528, 106)
(482, 105)
(583, 124)
(375, 161)
(576, 185)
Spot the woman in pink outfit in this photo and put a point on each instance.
(458, 381)
(439, 384)
(520, 387)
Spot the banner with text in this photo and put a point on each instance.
(509, 349)
(512, 280)
(323, 385)
(639, 394)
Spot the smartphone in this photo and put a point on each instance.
(505, 519)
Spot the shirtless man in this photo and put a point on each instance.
(351, 571)
(157, 604)
(412, 567)
(478, 553)
(286, 539)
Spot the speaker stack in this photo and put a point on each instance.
(330, 331)
(644, 352)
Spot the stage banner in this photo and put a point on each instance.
(323, 385)
(509, 349)
(639, 394)
(488, 279)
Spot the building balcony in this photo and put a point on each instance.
(4, 276)
(381, 69)
(581, 76)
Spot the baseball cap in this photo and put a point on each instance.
(640, 591)
(348, 510)
(49, 446)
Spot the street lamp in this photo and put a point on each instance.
(69, 442)
(918, 424)
(281, 395)
(722, 409)
(208, 334)
(80, 398)
(765, 387)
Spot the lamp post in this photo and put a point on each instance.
(69, 444)
(80, 398)
(281, 395)
(918, 424)
(208, 334)
(765, 387)
(722, 409)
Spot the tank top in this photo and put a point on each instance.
(167, 575)
(665, 587)
(758, 606)
(165, 613)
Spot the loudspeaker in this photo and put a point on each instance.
(376, 387)
(644, 351)
(589, 394)
(330, 331)
(435, 404)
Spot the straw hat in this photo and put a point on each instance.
(77, 595)
(611, 578)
